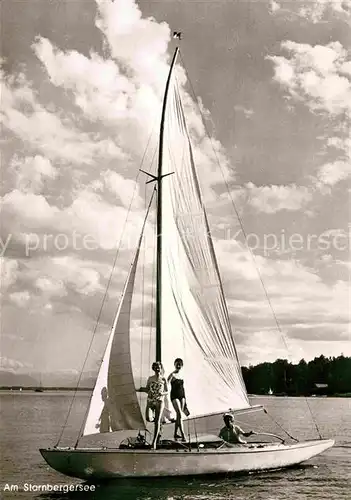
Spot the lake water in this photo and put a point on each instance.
(30, 421)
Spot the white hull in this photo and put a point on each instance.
(95, 463)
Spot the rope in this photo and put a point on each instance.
(142, 308)
(153, 279)
(261, 431)
(151, 167)
(245, 236)
(152, 311)
(195, 432)
(268, 434)
(313, 419)
(280, 426)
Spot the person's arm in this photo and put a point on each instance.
(240, 431)
(247, 434)
(170, 376)
(165, 387)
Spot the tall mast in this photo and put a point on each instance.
(159, 217)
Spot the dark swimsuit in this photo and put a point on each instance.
(177, 389)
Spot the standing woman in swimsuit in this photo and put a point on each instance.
(156, 389)
(178, 397)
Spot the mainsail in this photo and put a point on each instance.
(114, 405)
(195, 320)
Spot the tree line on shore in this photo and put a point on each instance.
(321, 376)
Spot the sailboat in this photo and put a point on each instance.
(191, 317)
(40, 388)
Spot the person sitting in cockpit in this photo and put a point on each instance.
(232, 433)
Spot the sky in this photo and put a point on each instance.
(82, 86)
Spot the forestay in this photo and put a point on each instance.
(195, 320)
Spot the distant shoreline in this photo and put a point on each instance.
(90, 389)
(337, 395)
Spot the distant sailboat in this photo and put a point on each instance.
(192, 317)
(40, 388)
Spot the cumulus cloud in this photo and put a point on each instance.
(88, 226)
(274, 6)
(32, 172)
(20, 298)
(271, 199)
(332, 173)
(75, 273)
(102, 92)
(318, 10)
(28, 208)
(319, 76)
(62, 284)
(9, 270)
(315, 74)
(268, 199)
(141, 43)
(314, 11)
(44, 130)
(341, 143)
(10, 364)
(55, 275)
(90, 214)
(125, 189)
(50, 285)
(248, 112)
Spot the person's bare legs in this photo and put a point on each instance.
(149, 409)
(158, 415)
(178, 406)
